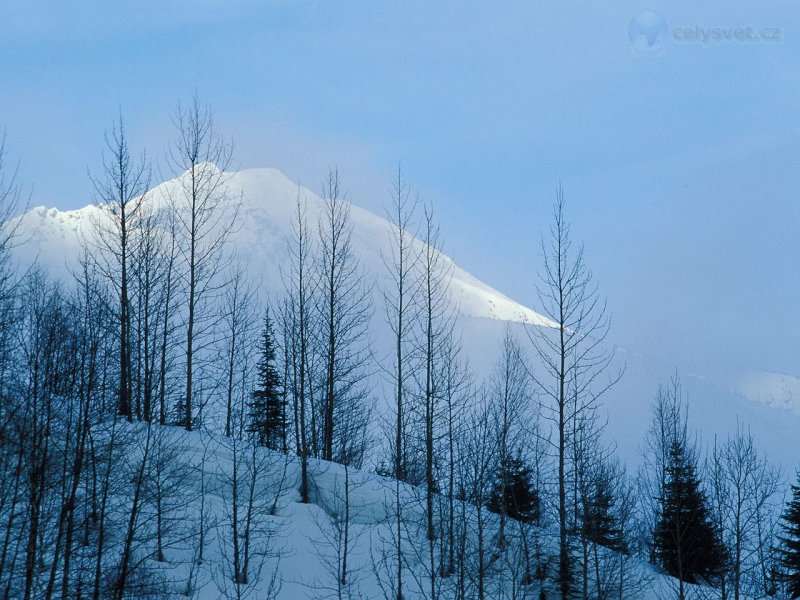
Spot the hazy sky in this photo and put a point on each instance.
(675, 133)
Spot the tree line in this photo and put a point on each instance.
(115, 380)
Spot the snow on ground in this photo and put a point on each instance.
(297, 544)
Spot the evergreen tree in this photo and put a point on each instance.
(686, 543)
(789, 550)
(600, 521)
(513, 492)
(267, 416)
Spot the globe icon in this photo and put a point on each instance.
(648, 33)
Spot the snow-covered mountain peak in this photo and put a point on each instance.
(267, 201)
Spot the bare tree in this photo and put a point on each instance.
(572, 351)
(745, 496)
(167, 306)
(151, 267)
(238, 323)
(106, 451)
(86, 328)
(296, 317)
(50, 398)
(13, 432)
(589, 458)
(252, 489)
(436, 323)
(479, 452)
(40, 380)
(457, 393)
(12, 423)
(511, 399)
(10, 204)
(206, 521)
(138, 466)
(399, 301)
(121, 190)
(205, 214)
(337, 539)
(164, 499)
(344, 312)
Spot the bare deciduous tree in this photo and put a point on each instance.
(338, 539)
(669, 423)
(511, 402)
(436, 324)
(479, 452)
(252, 489)
(121, 191)
(205, 213)
(151, 264)
(296, 317)
(572, 351)
(399, 299)
(344, 313)
(457, 391)
(237, 338)
(744, 492)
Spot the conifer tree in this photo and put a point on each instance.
(267, 416)
(789, 550)
(600, 520)
(513, 493)
(686, 543)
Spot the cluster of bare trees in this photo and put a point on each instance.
(445, 433)
(163, 265)
(159, 327)
(77, 482)
(97, 497)
(324, 320)
(455, 440)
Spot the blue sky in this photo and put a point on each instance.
(680, 166)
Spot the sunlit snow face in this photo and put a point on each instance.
(648, 33)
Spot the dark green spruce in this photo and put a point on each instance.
(789, 543)
(686, 543)
(267, 408)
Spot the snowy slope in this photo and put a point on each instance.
(298, 545)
